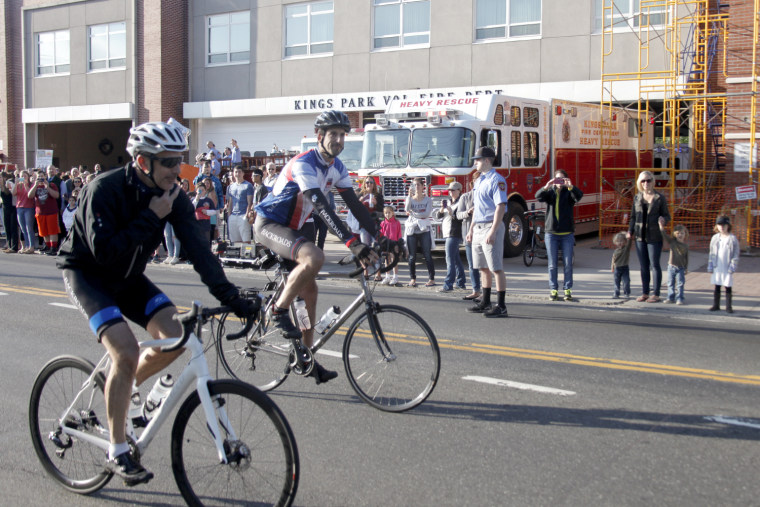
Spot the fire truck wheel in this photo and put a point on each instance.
(516, 234)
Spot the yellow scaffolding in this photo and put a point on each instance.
(693, 36)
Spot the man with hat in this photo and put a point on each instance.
(452, 232)
(487, 233)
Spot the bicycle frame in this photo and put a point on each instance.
(320, 340)
(196, 372)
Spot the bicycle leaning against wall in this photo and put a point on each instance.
(390, 354)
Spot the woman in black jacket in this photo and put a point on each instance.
(560, 197)
(650, 209)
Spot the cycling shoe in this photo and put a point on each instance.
(321, 374)
(282, 322)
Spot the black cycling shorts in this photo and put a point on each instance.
(281, 239)
(106, 303)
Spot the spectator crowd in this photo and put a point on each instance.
(38, 206)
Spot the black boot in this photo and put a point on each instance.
(716, 299)
(729, 297)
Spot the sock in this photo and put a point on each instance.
(277, 310)
(501, 294)
(486, 299)
(117, 449)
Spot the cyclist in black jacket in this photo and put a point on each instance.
(119, 223)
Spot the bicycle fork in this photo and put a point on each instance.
(379, 336)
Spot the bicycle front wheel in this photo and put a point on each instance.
(76, 465)
(392, 358)
(260, 359)
(262, 458)
(528, 255)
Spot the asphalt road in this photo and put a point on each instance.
(560, 404)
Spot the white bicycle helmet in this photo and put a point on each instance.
(155, 137)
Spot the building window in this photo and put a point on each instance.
(53, 53)
(308, 29)
(501, 19)
(626, 14)
(401, 23)
(108, 46)
(228, 38)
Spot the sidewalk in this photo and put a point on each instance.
(592, 280)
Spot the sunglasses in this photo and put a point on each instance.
(77, 181)
(168, 162)
(646, 181)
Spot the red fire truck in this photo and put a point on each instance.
(436, 138)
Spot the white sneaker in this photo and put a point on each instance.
(174, 260)
(168, 260)
(394, 280)
(387, 279)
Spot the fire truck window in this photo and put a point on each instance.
(531, 117)
(386, 148)
(498, 117)
(633, 130)
(678, 163)
(515, 116)
(515, 148)
(442, 147)
(657, 163)
(531, 149)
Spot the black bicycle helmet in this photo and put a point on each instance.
(331, 119)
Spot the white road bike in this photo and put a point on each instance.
(230, 443)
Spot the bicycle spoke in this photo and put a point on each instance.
(394, 366)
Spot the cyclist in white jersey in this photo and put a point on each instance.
(300, 189)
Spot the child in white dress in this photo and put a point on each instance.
(723, 261)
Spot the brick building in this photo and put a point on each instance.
(79, 73)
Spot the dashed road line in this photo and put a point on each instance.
(63, 305)
(736, 421)
(519, 385)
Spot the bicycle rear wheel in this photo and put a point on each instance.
(392, 361)
(76, 465)
(260, 359)
(263, 466)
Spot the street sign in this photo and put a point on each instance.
(746, 193)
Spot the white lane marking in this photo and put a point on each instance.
(518, 385)
(332, 353)
(63, 305)
(3, 293)
(749, 423)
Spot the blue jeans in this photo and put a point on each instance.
(172, 242)
(676, 281)
(553, 244)
(622, 276)
(454, 266)
(424, 240)
(474, 273)
(649, 258)
(26, 223)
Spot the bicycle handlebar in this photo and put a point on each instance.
(395, 248)
(189, 319)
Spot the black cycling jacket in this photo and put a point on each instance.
(115, 233)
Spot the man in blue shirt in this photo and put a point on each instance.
(236, 155)
(216, 165)
(239, 202)
(487, 233)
